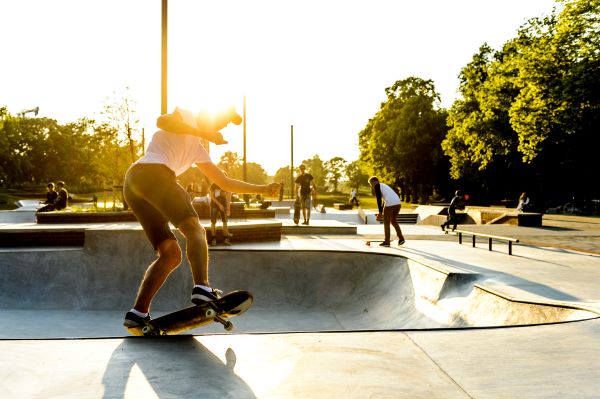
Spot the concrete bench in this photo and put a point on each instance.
(46, 238)
(490, 237)
(342, 206)
(58, 217)
(236, 210)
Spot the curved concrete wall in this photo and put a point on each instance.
(293, 290)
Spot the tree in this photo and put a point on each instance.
(315, 167)
(356, 175)
(481, 143)
(402, 141)
(283, 175)
(121, 114)
(334, 171)
(557, 110)
(232, 164)
(255, 173)
(527, 120)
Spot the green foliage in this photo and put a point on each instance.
(34, 151)
(316, 168)
(234, 166)
(357, 177)
(334, 171)
(402, 141)
(283, 175)
(528, 116)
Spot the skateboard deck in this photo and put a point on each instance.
(368, 243)
(231, 305)
(297, 211)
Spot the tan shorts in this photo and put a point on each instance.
(155, 197)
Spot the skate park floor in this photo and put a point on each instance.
(556, 265)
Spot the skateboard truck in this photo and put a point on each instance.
(212, 313)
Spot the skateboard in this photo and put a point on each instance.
(368, 243)
(297, 211)
(231, 305)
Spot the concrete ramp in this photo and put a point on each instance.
(85, 292)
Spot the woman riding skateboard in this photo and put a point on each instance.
(155, 197)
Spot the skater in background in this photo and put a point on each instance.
(456, 203)
(388, 203)
(523, 202)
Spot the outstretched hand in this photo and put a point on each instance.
(216, 137)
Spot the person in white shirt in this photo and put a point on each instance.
(155, 197)
(388, 203)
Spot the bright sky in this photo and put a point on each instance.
(320, 65)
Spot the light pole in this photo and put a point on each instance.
(292, 161)
(163, 73)
(244, 114)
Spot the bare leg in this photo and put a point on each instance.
(225, 230)
(213, 230)
(196, 249)
(169, 257)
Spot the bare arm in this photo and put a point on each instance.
(174, 124)
(213, 173)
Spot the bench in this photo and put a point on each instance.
(490, 238)
(236, 210)
(342, 207)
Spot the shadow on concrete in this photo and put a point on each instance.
(174, 367)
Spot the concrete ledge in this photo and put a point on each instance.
(236, 209)
(47, 238)
(203, 210)
(330, 228)
(248, 232)
(258, 213)
(84, 217)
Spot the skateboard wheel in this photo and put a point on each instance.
(147, 330)
(210, 313)
(228, 326)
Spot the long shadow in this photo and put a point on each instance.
(532, 286)
(175, 367)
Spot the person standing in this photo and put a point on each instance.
(308, 189)
(354, 197)
(220, 202)
(388, 203)
(456, 203)
(156, 198)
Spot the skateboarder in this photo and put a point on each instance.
(388, 203)
(155, 197)
(307, 187)
(456, 203)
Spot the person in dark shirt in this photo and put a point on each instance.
(55, 201)
(307, 188)
(456, 203)
(51, 194)
(63, 196)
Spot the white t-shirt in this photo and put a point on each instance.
(177, 151)
(389, 196)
